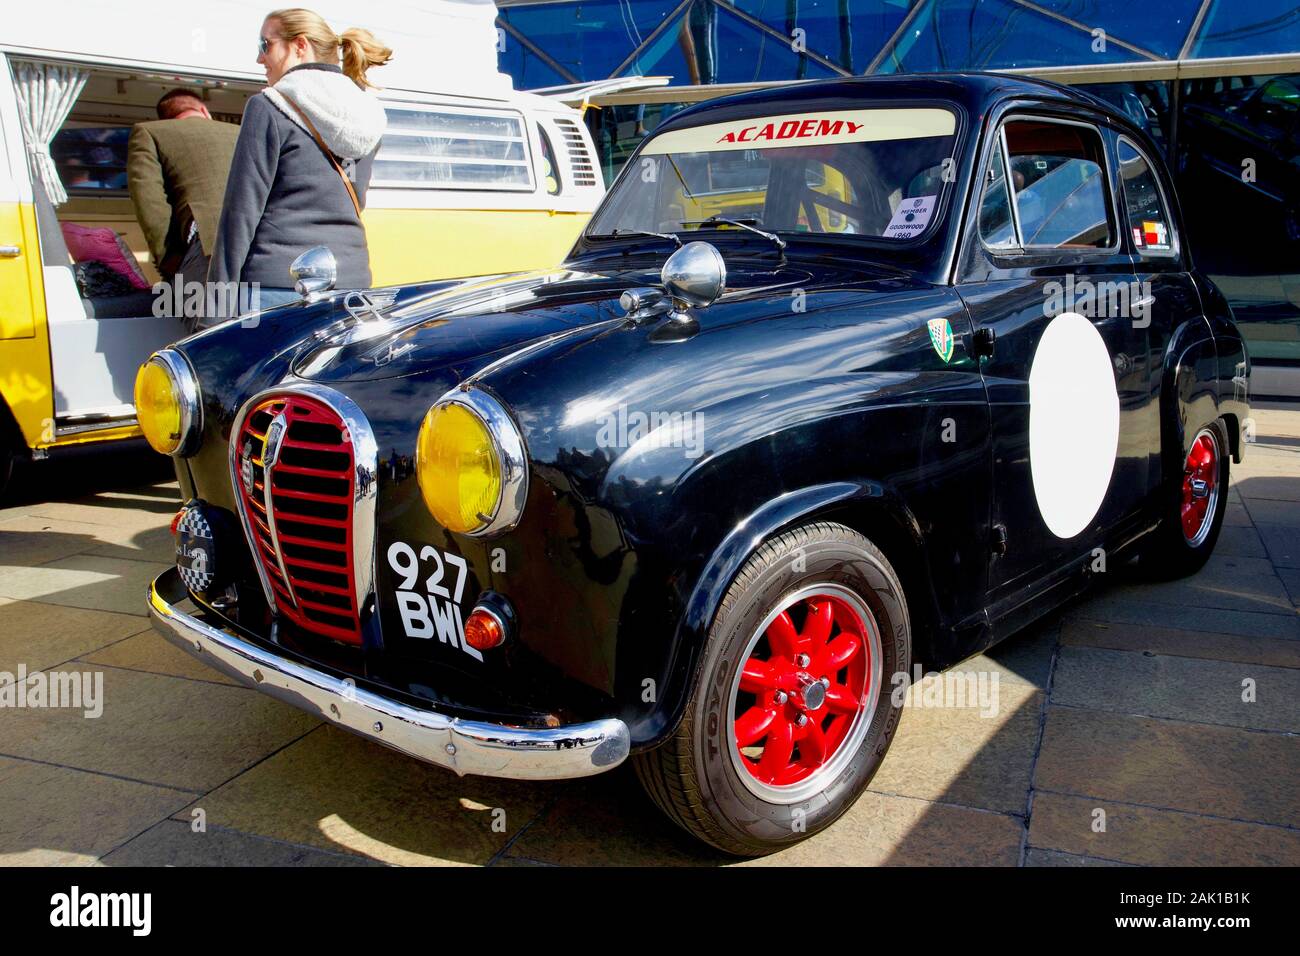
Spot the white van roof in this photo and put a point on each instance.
(438, 45)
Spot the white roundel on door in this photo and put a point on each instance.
(1073, 423)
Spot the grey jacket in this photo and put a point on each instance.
(283, 195)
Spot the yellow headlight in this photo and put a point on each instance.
(158, 407)
(458, 467)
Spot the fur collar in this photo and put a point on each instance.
(350, 120)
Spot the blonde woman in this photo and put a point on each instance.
(303, 159)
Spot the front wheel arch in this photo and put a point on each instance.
(697, 780)
(867, 507)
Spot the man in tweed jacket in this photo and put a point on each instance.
(176, 171)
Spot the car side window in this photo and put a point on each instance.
(1059, 186)
(1153, 233)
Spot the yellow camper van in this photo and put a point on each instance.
(472, 177)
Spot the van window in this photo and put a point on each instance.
(550, 168)
(448, 148)
(91, 159)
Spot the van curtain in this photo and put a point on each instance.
(46, 94)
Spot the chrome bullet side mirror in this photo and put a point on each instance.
(314, 272)
(694, 275)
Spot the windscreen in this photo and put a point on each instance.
(873, 172)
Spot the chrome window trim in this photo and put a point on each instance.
(182, 375)
(365, 458)
(508, 442)
(1176, 246)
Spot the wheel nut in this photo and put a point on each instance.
(803, 660)
(781, 697)
(801, 720)
(825, 682)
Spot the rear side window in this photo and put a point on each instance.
(1153, 233)
(1058, 185)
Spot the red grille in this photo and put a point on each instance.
(312, 496)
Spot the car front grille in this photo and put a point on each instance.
(302, 532)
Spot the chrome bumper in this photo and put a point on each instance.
(490, 750)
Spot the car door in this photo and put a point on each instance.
(1167, 293)
(1044, 274)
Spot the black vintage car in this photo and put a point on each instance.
(839, 378)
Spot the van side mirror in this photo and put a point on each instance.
(314, 272)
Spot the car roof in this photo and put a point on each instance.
(975, 91)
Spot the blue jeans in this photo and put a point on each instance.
(270, 298)
(266, 299)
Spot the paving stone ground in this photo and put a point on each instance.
(1145, 724)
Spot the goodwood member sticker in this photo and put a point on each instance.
(910, 218)
(941, 338)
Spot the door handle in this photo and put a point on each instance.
(10, 252)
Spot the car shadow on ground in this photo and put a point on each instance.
(85, 470)
(1114, 703)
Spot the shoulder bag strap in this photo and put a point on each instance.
(352, 193)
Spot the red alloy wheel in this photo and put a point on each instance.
(1200, 488)
(804, 689)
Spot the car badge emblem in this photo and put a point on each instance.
(941, 338)
(246, 467)
(274, 434)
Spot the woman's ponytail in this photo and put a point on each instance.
(360, 52)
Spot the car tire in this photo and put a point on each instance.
(1189, 521)
(802, 592)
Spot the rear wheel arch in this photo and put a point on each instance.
(1189, 394)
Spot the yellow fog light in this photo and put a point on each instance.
(166, 403)
(470, 464)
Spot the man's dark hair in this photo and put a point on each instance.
(174, 102)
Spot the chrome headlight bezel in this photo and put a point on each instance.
(512, 453)
(186, 387)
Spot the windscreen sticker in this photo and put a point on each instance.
(430, 607)
(806, 129)
(910, 218)
(1154, 234)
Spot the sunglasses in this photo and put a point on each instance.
(264, 44)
